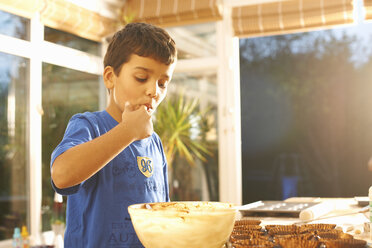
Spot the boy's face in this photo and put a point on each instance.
(142, 81)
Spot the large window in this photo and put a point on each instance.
(197, 181)
(39, 92)
(306, 114)
(194, 79)
(14, 195)
(14, 172)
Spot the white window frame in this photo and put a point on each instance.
(229, 114)
(226, 65)
(38, 51)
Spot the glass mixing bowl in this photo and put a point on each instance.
(183, 224)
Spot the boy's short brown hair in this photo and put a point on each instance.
(142, 39)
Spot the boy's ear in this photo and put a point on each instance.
(109, 77)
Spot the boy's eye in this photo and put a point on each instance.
(142, 80)
(162, 84)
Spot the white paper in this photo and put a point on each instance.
(317, 211)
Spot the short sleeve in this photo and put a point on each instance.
(78, 131)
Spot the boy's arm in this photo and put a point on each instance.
(79, 163)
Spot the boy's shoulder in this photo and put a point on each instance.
(156, 137)
(92, 119)
(91, 116)
(157, 140)
(96, 123)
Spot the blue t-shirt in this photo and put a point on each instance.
(97, 209)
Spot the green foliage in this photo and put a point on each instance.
(182, 127)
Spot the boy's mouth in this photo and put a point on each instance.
(149, 108)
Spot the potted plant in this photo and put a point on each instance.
(182, 127)
(178, 122)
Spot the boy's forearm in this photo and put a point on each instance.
(83, 161)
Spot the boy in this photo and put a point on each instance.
(111, 159)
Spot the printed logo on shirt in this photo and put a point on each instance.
(145, 166)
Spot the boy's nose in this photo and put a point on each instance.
(152, 90)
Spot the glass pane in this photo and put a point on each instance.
(65, 93)
(306, 114)
(14, 196)
(195, 41)
(14, 26)
(199, 181)
(69, 40)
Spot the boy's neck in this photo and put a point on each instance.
(114, 112)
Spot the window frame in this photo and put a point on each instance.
(226, 65)
(38, 51)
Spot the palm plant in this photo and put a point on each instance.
(178, 122)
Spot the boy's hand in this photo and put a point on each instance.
(138, 120)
